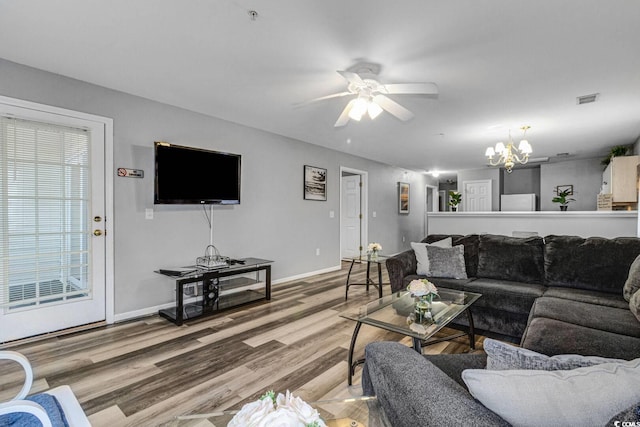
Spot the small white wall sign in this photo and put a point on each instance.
(130, 173)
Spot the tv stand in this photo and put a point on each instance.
(203, 292)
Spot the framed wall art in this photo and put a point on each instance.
(403, 197)
(315, 183)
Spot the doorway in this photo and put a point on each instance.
(476, 196)
(432, 204)
(353, 208)
(54, 201)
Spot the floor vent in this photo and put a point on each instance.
(587, 99)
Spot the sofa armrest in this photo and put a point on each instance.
(413, 391)
(399, 266)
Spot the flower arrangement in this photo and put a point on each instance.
(422, 287)
(281, 410)
(374, 247)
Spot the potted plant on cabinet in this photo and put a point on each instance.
(454, 200)
(562, 198)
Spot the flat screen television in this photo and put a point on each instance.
(187, 175)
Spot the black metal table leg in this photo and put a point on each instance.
(472, 334)
(368, 275)
(417, 345)
(346, 292)
(379, 280)
(352, 365)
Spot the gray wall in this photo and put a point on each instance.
(585, 176)
(522, 181)
(273, 221)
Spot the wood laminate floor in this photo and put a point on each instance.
(146, 372)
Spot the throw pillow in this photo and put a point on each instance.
(632, 285)
(446, 262)
(634, 304)
(420, 250)
(503, 356)
(583, 396)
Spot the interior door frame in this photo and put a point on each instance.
(108, 188)
(364, 197)
(477, 181)
(435, 204)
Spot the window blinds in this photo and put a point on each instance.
(45, 209)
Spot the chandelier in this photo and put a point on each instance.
(509, 154)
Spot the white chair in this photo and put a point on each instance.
(67, 400)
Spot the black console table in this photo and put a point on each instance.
(202, 292)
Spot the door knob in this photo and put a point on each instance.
(97, 232)
(97, 218)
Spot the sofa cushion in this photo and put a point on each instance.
(551, 336)
(470, 243)
(632, 285)
(546, 398)
(503, 356)
(591, 297)
(634, 305)
(511, 258)
(422, 256)
(594, 263)
(616, 320)
(504, 295)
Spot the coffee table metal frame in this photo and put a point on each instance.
(390, 313)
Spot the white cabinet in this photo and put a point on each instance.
(620, 177)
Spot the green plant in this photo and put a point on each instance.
(562, 197)
(454, 198)
(618, 150)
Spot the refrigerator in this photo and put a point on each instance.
(518, 202)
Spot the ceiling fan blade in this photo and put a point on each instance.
(344, 116)
(322, 98)
(411, 88)
(352, 78)
(393, 107)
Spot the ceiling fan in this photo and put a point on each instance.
(371, 97)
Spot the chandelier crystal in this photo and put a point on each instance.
(509, 155)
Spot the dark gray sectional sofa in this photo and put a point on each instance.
(553, 295)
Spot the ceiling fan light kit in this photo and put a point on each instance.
(509, 155)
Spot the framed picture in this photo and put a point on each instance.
(315, 183)
(563, 188)
(403, 197)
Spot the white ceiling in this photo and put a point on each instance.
(499, 64)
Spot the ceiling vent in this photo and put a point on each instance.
(587, 99)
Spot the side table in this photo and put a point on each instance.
(379, 260)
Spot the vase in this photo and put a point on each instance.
(423, 309)
(563, 208)
(373, 256)
(454, 209)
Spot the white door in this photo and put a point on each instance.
(52, 200)
(351, 216)
(432, 205)
(476, 196)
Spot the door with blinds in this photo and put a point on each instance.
(52, 204)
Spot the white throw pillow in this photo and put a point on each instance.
(582, 396)
(420, 250)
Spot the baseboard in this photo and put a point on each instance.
(305, 275)
(148, 311)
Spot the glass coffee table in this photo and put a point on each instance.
(352, 412)
(395, 313)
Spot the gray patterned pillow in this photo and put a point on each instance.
(502, 356)
(632, 285)
(446, 262)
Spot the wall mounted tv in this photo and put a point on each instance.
(187, 175)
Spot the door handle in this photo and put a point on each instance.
(97, 232)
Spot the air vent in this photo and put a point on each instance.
(587, 99)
